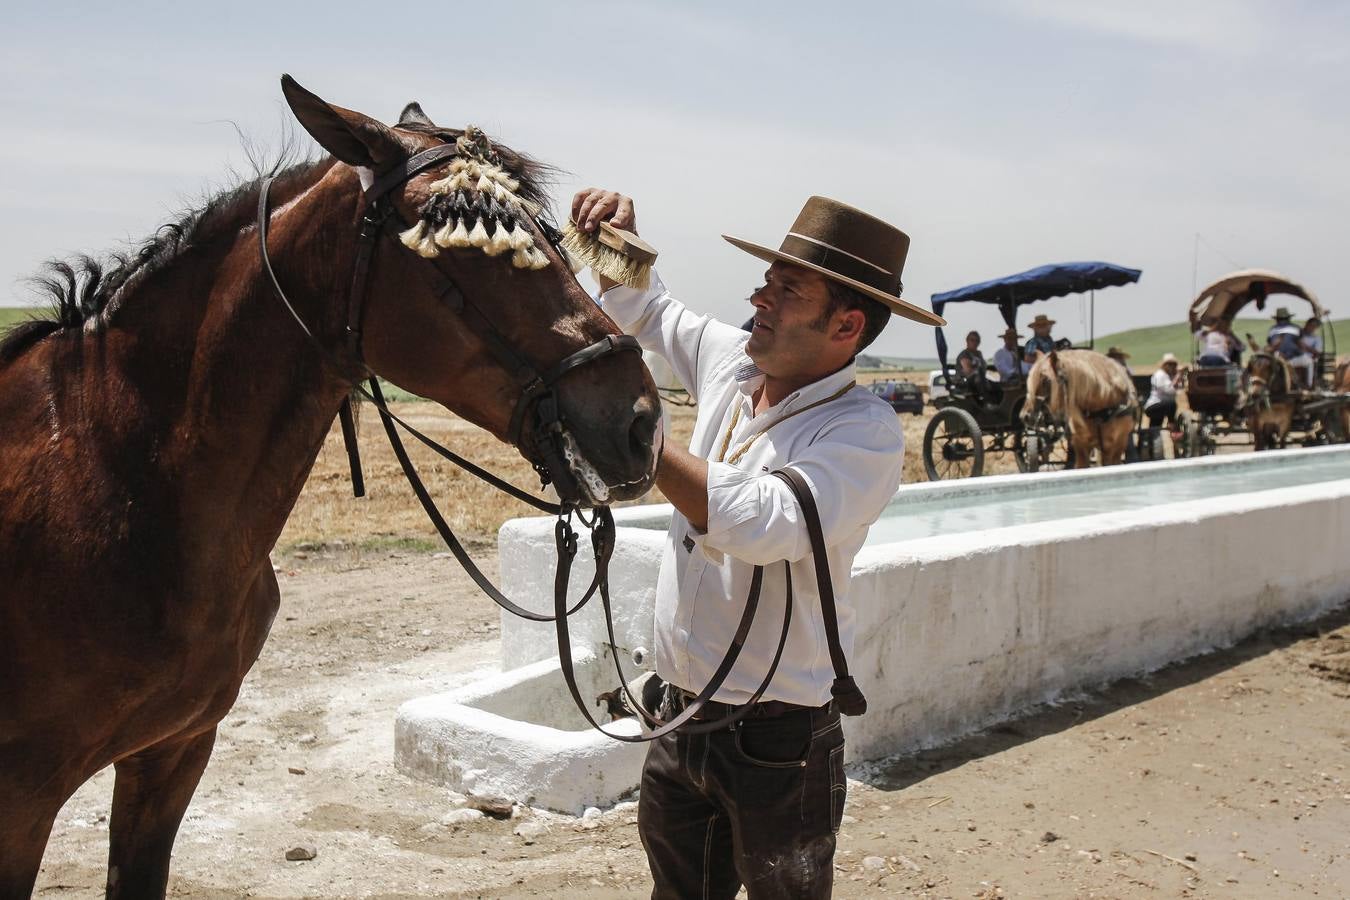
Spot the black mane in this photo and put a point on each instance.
(81, 290)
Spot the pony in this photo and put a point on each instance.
(158, 428)
(1089, 394)
(1269, 399)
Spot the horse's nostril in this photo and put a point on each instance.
(642, 429)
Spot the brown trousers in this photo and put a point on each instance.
(758, 804)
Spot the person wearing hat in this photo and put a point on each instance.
(1041, 341)
(1161, 405)
(1283, 337)
(759, 804)
(1121, 357)
(1009, 360)
(1310, 351)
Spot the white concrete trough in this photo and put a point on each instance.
(974, 599)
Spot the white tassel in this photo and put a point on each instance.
(538, 260)
(412, 238)
(479, 236)
(521, 259)
(442, 237)
(458, 165)
(500, 243)
(427, 247)
(460, 236)
(484, 184)
(520, 238)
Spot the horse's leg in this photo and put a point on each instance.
(152, 792)
(1082, 452)
(24, 831)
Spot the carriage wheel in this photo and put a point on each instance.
(952, 445)
(1042, 448)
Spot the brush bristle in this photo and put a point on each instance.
(587, 249)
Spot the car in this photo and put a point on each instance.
(903, 396)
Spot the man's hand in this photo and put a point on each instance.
(593, 206)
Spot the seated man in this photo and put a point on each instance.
(1011, 367)
(1121, 357)
(1041, 341)
(1310, 343)
(1283, 337)
(1218, 346)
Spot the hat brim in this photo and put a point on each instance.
(895, 304)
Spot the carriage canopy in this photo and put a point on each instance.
(1226, 297)
(1031, 286)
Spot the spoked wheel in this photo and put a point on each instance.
(953, 446)
(1042, 448)
(1196, 439)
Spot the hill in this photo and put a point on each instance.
(1147, 345)
(12, 314)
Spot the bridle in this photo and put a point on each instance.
(549, 429)
(536, 389)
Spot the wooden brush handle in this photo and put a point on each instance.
(627, 243)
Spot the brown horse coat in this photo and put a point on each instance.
(1271, 397)
(156, 437)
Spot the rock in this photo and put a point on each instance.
(591, 812)
(295, 770)
(873, 863)
(907, 863)
(1049, 837)
(306, 739)
(632, 805)
(461, 816)
(301, 853)
(431, 828)
(496, 807)
(531, 830)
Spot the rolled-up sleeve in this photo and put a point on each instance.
(854, 469)
(690, 342)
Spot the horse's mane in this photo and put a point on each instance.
(81, 290)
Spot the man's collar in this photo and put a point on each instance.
(749, 379)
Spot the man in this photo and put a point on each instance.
(1007, 359)
(1161, 405)
(1283, 337)
(760, 803)
(1220, 347)
(1041, 341)
(1121, 357)
(1310, 351)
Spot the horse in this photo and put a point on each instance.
(1269, 399)
(1091, 395)
(159, 426)
(1340, 383)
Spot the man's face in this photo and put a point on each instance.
(1041, 330)
(788, 336)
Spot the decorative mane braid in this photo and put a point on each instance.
(476, 205)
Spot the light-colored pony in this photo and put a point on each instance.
(1091, 395)
(1269, 400)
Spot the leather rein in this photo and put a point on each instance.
(537, 392)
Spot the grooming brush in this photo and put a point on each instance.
(612, 252)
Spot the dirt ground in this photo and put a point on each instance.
(1222, 777)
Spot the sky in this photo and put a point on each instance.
(1183, 139)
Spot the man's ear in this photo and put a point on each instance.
(852, 323)
(355, 139)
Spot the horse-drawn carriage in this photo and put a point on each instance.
(977, 415)
(1265, 398)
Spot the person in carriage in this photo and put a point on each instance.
(1283, 338)
(1008, 359)
(971, 368)
(1221, 348)
(1041, 341)
(1310, 342)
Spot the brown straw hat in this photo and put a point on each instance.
(1116, 351)
(850, 247)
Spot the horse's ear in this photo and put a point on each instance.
(412, 115)
(356, 139)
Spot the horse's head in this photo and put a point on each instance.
(1266, 375)
(476, 308)
(1045, 396)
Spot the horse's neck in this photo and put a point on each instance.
(241, 399)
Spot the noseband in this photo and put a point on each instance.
(536, 389)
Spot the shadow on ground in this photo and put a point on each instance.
(1047, 719)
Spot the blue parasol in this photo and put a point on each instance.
(1031, 286)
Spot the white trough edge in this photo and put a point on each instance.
(959, 631)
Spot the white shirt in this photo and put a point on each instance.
(1216, 343)
(1010, 362)
(850, 449)
(1163, 388)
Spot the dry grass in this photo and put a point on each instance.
(389, 514)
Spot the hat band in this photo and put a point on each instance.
(839, 261)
